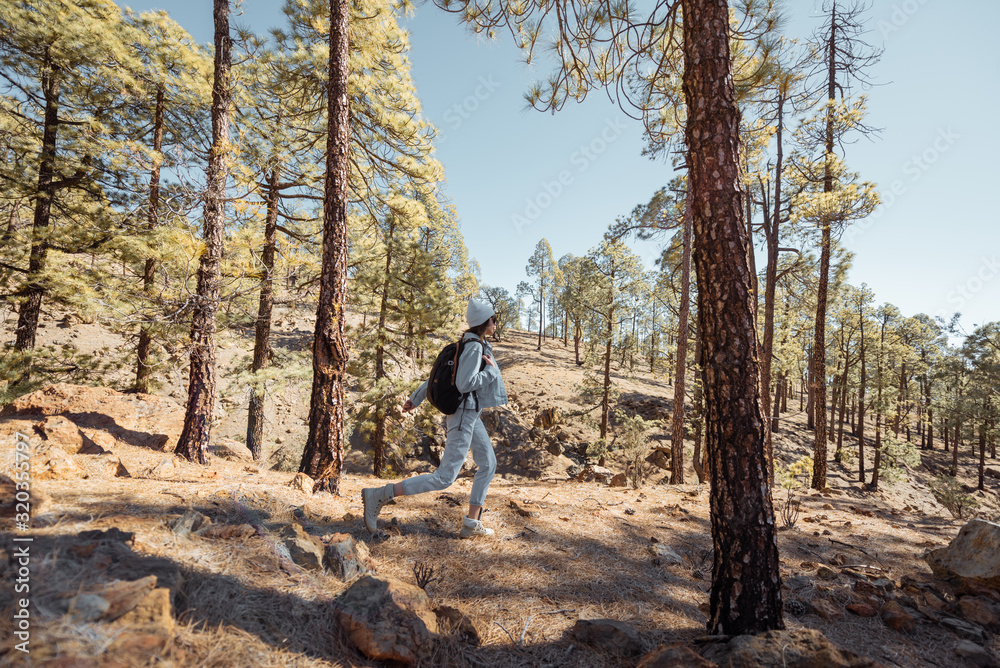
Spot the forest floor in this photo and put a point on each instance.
(588, 554)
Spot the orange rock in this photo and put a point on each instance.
(862, 610)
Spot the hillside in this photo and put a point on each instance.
(564, 550)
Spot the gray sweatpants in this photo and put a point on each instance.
(465, 430)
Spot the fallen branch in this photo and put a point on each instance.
(505, 631)
(859, 549)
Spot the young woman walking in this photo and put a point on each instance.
(479, 376)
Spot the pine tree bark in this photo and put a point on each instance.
(34, 291)
(982, 455)
(862, 384)
(771, 228)
(606, 390)
(746, 583)
(323, 457)
(677, 443)
(541, 300)
(378, 437)
(576, 343)
(197, 432)
(143, 370)
(262, 326)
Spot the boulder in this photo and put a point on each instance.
(547, 418)
(659, 459)
(804, 648)
(346, 558)
(143, 420)
(388, 619)
(153, 610)
(826, 609)
(55, 464)
(609, 634)
(522, 511)
(618, 480)
(862, 609)
(974, 555)
(665, 554)
(101, 439)
(58, 430)
(674, 656)
(108, 466)
(109, 601)
(191, 522)
(303, 549)
(964, 629)
(595, 474)
(975, 655)
(302, 482)
(895, 617)
(981, 610)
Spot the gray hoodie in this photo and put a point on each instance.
(487, 384)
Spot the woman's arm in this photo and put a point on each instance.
(416, 398)
(469, 378)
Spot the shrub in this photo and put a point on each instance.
(950, 494)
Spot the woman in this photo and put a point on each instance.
(479, 376)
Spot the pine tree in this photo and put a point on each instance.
(542, 266)
(176, 76)
(68, 77)
(200, 410)
(608, 275)
(844, 57)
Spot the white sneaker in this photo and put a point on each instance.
(373, 498)
(472, 528)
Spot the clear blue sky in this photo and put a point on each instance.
(934, 246)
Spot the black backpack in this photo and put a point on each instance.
(441, 390)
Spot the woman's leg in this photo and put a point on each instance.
(460, 430)
(486, 466)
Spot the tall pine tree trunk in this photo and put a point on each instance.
(861, 407)
(143, 370)
(541, 320)
(197, 433)
(576, 342)
(982, 454)
(323, 457)
(746, 582)
(34, 291)
(772, 224)
(378, 437)
(819, 341)
(606, 395)
(677, 444)
(262, 326)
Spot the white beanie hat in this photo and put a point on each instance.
(478, 313)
